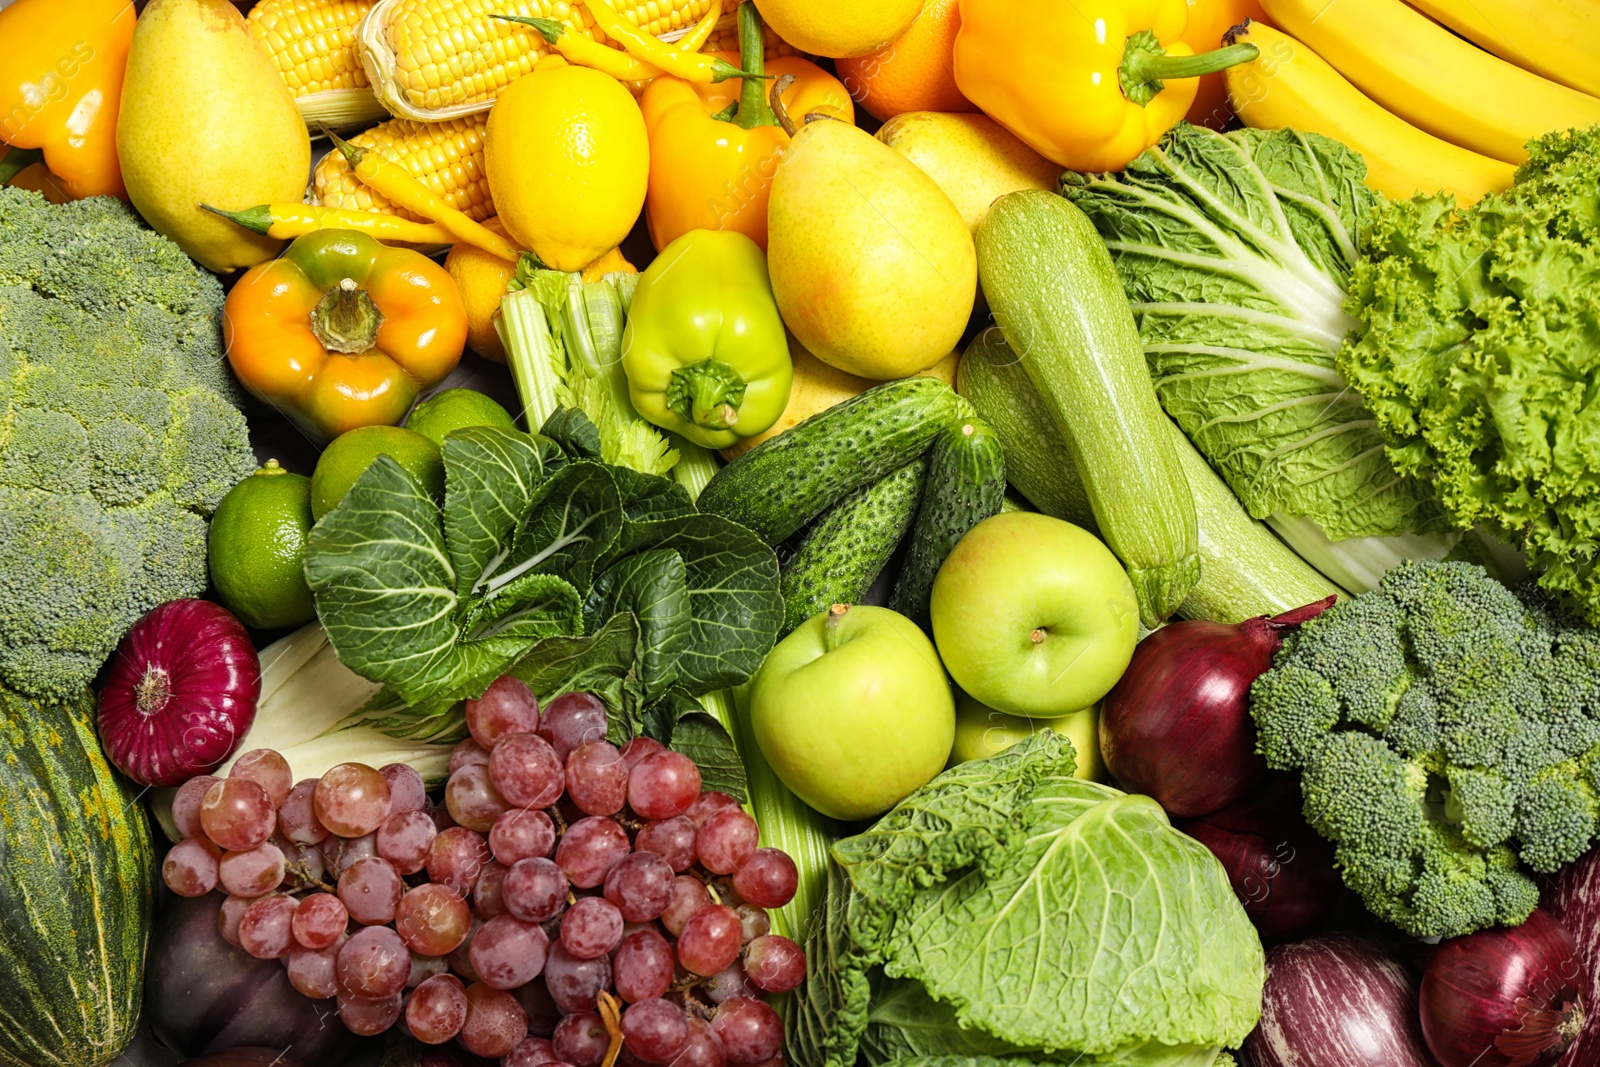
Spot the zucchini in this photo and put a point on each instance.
(77, 883)
(1060, 302)
(786, 481)
(844, 551)
(966, 482)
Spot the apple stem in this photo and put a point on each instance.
(1037, 637)
(830, 628)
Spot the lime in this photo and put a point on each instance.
(257, 545)
(352, 452)
(453, 409)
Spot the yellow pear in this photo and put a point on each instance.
(872, 265)
(973, 158)
(838, 28)
(206, 119)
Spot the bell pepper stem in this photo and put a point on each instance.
(17, 160)
(1146, 65)
(345, 319)
(707, 394)
(753, 109)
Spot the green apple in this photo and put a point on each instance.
(1033, 615)
(982, 732)
(853, 710)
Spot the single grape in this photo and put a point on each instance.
(671, 839)
(526, 771)
(371, 889)
(774, 964)
(532, 1052)
(708, 804)
(655, 1030)
(237, 814)
(406, 838)
(575, 984)
(304, 866)
(581, 1040)
(639, 748)
(767, 879)
(267, 769)
(297, 815)
(689, 895)
(232, 910)
(534, 890)
(663, 785)
(597, 779)
(252, 873)
(642, 966)
(488, 896)
(351, 799)
(338, 853)
(437, 1009)
(190, 867)
(572, 719)
(591, 927)
(703, 1049)
(432, 919)
(311, 971)
(589, 849)
(750, 1031)
(473, 800)
(186, 804)
(753, 922)
(508, 706)
(374, 963)
(466, 753)
(457, 858)
(265, 927)
(424, 968)
(520, 835)
(460, 957)
(710, 939)
(440, 815)
(406, 789)
(726, 841)
(728, 983)
(320, 921)
(508, 952)
(640, 886)
(495, 1022)
(540, 1008)
(369, 1017)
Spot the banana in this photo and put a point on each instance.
(1556, 39)
(1433, 79)
(1290, 86)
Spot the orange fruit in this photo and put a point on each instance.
(481, 276)
(913, 72)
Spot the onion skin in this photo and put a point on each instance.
(1573, 899)
(1177, 726)
(1338, 1000)
(1281, 870)
(180, 693)
(1505, 998)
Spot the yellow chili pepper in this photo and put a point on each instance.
(587, 52)
(696, 38)
(699, 67)
(288, 221)
(394, 182)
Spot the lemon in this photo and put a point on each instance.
(482, 278)
(257, 547)
(837, 28)
(453, 409)
(568, 160)
(351, 453)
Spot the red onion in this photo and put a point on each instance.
(1281, 869)
(1504, 998)
(1573, 900)
(1338, 1000)
(1177, 726)
(181, 693)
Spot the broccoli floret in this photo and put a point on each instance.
(115, 446)
(1448, 734)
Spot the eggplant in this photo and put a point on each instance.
(1338, 1000)
(1573, 899)
(203, 995)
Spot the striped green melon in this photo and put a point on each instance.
(77, 877)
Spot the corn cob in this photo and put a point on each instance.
(313, 46)
(447, 157)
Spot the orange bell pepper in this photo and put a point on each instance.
(715, 147)
(341, 331)
(61, 66)
(1208, 21)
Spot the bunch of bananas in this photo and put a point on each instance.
(1430, 110)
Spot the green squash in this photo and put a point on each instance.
(77, 882)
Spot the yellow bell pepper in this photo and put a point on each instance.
(1088, 84)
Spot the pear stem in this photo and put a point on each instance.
(781, 113)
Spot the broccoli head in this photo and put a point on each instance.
(1448, 734)
(115, 444)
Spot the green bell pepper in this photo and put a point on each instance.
(705, 351)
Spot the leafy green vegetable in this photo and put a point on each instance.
(1235, 250)
(1009, 909)
(1446, 729)
(1478, 349)
(568, 572)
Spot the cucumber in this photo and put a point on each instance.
(966, 483)
(785, 482)
(1060, 302)
(844, 552)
